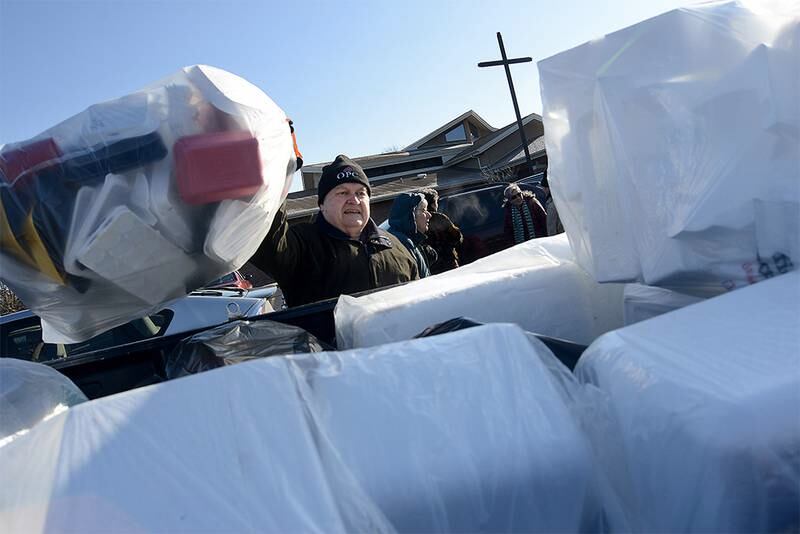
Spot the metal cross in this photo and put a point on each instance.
(506, 62)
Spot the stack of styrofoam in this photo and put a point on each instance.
(674, 147)
(536, 285)
(700, 429)
(468, 431)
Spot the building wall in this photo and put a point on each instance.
(311, 180)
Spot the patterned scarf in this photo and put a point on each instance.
(517, 215)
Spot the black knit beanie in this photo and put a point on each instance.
(341, 170)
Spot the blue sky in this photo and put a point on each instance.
(357, 77)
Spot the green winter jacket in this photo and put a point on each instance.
(316, 261)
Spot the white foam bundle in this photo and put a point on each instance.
(701, 427)
(674, 147)
(536, 285)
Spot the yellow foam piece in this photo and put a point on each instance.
(8, 243)
(35, 247)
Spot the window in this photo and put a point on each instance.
(22, 338)
(456, 134)
(474, 210)
(229, 278)
(145, 328)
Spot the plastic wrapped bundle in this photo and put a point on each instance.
(226, 451)
(701, 431)
(30, 393)
(468, 431)
(431, 435)
(536, 285)
(139, 200)
(674, 147)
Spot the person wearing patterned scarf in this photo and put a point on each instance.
(525, 217)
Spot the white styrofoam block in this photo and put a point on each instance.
(174, 217)
(702, 413)
(84, 201)
(134, 256)
(224, 243)
(536, 285)
(460, 432)
(225, 451)
(658, 167)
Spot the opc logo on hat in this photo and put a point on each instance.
(347, 172)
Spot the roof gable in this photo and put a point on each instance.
(473, 117)
(485, 143)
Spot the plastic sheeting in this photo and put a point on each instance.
(30, 393)
(139, 200)
(674, 147)
(645, 302)
(431, 435)
(701, 429)
(536, 285)
(238, 342)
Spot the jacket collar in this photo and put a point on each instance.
(370, 234)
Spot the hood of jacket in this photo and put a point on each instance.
(401, 218)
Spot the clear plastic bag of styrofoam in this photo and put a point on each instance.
(674, 147)
(30, 393)
(139, 200)
(694, 415)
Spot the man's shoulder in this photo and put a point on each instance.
(390, 237)
(305, 229)
(395, 241)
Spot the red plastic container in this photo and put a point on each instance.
(15, 162)
(217, 166)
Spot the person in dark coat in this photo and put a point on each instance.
(444, 237)
(525, 217)
(408, 221)
(342, 252)
(554, 225)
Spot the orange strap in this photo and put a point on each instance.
(297, 153)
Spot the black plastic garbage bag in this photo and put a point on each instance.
(567, 352)
(237, 342)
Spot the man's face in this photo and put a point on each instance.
(422, 217)
(516, 199)
(346, 207)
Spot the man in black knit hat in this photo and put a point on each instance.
(342, 251)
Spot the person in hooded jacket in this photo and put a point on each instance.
(341, 252)
(408, 222)
(443, 236)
